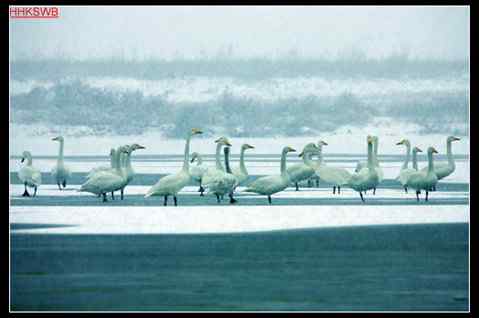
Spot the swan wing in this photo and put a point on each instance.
(30, 175)
(170, 184)
(405, 174)
(102, 182)
(299, 172)
(333, 175)
(268, 185)
(441, 170)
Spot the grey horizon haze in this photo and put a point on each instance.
(168, 32)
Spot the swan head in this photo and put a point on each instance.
(404, 142)
(416, 149)
(134, 147)
(26, 155)
(194, 156)
(310, 148)
(247, 146)
(452, 138)
(112, 152)
(431, 150)
(322, 143)
(289, 149)
(223, 141)
(370, 139)
(195, 131)
(58, 138)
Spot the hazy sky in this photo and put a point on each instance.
(189, 31)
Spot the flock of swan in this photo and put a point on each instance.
(222, 180)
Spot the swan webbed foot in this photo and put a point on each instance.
(201, 190)
(104, 197)
(175, 200)
(25, 193)
(269, 199)
(232, 200)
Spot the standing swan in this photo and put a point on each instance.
(60, 172)
(173, 183)
(240, 172)
(130, 173)
(424, 180)
(269, 185)
(214, 174)
(363, 165)
(405, 170)
(305, 170)
(197, 172)
(335, 176)
(365, 179)
(444, 170)
(106, 181)
(29, 175)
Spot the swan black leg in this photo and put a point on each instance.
(165, 203)
(64, 184)
(35, 193)
(201, 190)
(374, 191)
(112, 195)
(269, 199)
(309, 183)
(361, 195)
(175, 200)
(104, 197)
(25, 193)
(297, 188)
(232, 200)
(121, 193)
(59, 187)
(405, 189)
(339, 190)
(317, 182)
(417, 195)
(427, 193)
(217, 198)
(334, 190)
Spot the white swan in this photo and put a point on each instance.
(173, 183)
(106, 181)
(363, 165)
(415, 150)
(220, 182)
(240, 172)
(60, 172)
(198, 171)
(405, 170)
(444, 170)
(424, 180)
(29, 175)
(269, 185)
(223, 182)
(365, 179)
(104, 168)
(305, 170)
(335, 176)
(130, 173)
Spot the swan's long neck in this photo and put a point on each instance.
(408, 155)
(242, 166)
(283, 163)
(450, 159)
(219, 166)
(118, 156)
(227, 160)
(60, 152)
(376, 146)
(320, 154)
(29, 161)
(113, 160)
(430, 164)
(307, 158)
(186, 160)
(127, 162)
(370, 156)
(199, 160)
(414, 160)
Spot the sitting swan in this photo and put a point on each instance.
(305, 170)
(365, 179)
(424, 180)
(106, 181)
(335, 176)
(197, 172)
(269, 185)
(240, 172)
(444, 170)
(29, 175)
(173, 183)
(104, 168)
(60, 172)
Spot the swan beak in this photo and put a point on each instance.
(196, 131)
(418, 150)
(400, 143)
(140, 147)
(324, 143)
(434, 150)
(455, 138)
(227, 143)
(23, 159)
(55, 139)
(249, 146)
(291, 149)
(301, 154)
